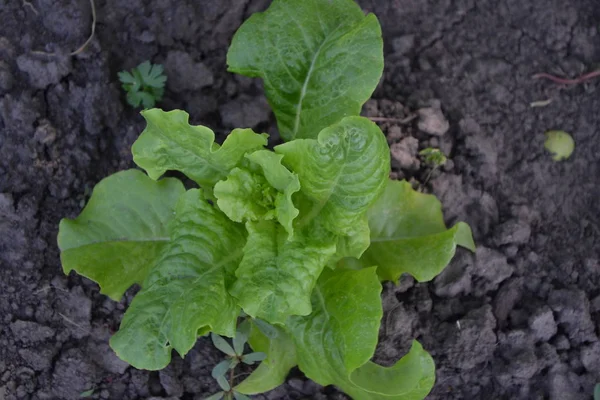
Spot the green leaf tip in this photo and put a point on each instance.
(320, 61)
(121, 231)
(560, 144)
(169, 142)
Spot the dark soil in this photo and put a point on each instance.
(519, 320)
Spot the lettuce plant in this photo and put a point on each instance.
(295, 241)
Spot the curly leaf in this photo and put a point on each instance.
(408, 234)
(276, 276)
(281, 358)
(335, 342)
(286, 183)
(169, 142)
(411, 378)
(121, 231)
(320, 61)
(185, 294)
(342, 172)
(266, 194)
(245, 196)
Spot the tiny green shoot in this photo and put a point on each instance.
(433, 158)
(224, 372)
(560, 144)
(144, 84)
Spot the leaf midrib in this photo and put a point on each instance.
(159, 239)
(307, 79)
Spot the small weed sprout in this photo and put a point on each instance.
(433, 158)
(234, 356)
(144, 84)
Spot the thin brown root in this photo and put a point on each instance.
(83, 46)
(69, 320)
(565, 81)
(28, 4)
(396, 120)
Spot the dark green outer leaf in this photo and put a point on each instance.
(334, 343)
(408, 234)
(281, 357)
(185, 295)
(120, 233)
(320, 61)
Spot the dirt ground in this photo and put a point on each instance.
(520, 320)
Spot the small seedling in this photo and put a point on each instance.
(560, 144)
(235, 356)
(144, 84)
(433, 158)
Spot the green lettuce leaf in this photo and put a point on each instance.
(265, 194)
(354, 244)
(342, 172)
(276, 276)
(320, 61)
(335, 343)
(121, 231)
(281, 357)
(408, 234)
(169, 142)
(185, 294)
(245, 196)
(284, 181)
